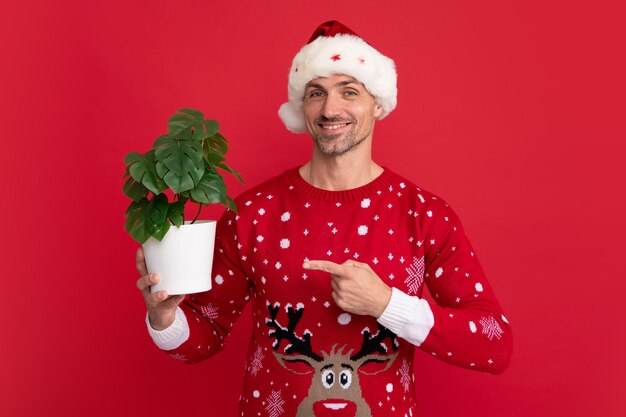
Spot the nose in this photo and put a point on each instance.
(331, 107)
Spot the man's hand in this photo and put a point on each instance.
(356, 288)
(161, 307)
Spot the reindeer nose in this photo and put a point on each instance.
(334, 407)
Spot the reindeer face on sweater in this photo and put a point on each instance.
(335, 388)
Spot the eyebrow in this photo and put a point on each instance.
(339, 84)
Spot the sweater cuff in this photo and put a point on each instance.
(173, 336)
(409, 317)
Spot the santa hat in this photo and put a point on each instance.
(335, 49)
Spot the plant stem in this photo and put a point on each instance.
(197, 214)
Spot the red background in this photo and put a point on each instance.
(511, 111)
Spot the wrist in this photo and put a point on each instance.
(174, 335)
(160, 323)
(384, 301)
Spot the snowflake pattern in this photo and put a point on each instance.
(178, 357)
(405, 375)
(416, 275)
(209, 311)
(275, 404)
(491, 328)
(257, 361)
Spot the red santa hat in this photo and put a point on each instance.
(335, 49)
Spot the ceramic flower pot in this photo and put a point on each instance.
(183, 259)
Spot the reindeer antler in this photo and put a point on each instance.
(372, 344)
(301, 345)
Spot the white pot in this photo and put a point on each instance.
(183, 259)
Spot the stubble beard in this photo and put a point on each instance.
(327, 143)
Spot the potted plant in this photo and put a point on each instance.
(183, 163)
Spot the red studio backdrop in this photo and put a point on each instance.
(511, 111)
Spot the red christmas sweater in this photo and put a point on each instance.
(306, 356)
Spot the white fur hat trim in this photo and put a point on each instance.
(340, 54)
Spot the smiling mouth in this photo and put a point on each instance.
(335, 406)
(333, 127)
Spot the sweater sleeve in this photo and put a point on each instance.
(409, 317)
(467, 326)
(209, 316)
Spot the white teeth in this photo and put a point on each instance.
(333, 127)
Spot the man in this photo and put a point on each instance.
(333, 256)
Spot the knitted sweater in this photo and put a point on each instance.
(308, 357)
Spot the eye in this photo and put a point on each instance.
(345, 378)
(316, 94)
(328, 378)
(350, 93)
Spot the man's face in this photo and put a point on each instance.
(339, 113)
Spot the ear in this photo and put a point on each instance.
(298, 364)
(378, 110)
(375, 364)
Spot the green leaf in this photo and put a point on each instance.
(156, 216)
(211, 127)
(213, 152)
(196, 114)
(132, 157)
(218, 137)
(180, 164)
(186, 135)
(228, 169)
(134, 189)
(206, 129)
(160, 140)
(143, 171)
(159, 233)
(210, 189)
(179, 183)
(217, 143)
(229, 204)
(176, 212)
(135, 223)
(184, 119)
(180, 156)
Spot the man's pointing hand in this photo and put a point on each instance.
(356, 287)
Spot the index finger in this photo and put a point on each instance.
(326, 266)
